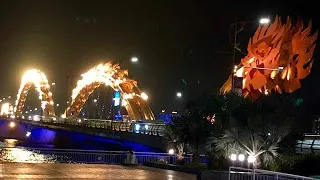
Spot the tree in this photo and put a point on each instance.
(258, 145)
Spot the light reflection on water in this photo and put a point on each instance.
(11, 153)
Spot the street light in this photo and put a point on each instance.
(179, 94)
(95, 100)
(53, 84)
(134, 59)
(236, 32)
(264, 21)
(241, 157)
(171, 151)
(233, 157)
(251, 159)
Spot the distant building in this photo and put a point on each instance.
(316, 126)
(167, 117)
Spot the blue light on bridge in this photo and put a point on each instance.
(116, 98)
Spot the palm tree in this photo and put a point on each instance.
(257, 145)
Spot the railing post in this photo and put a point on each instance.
(229, 178)
(254, 174)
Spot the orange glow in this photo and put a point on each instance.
(39, 80)
(279, 56)
(111, 75)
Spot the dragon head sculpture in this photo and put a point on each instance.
(278, 56)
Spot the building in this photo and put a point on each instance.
(316, 126)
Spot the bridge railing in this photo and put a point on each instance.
(136, 127)
(82, 156)
(238, 173)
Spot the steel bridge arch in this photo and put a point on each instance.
(110, 75)
(39, 80)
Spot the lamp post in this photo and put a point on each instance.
(237, 30)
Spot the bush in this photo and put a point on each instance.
(304, 165)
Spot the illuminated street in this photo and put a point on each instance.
(86, 171)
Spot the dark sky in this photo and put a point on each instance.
(174, 40)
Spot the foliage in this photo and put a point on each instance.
(304, 165)
(264, 128)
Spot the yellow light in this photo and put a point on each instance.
(163, 111)
(12, 124)
(39, 80)
(144, 96)
(266, 92)
(5, 108)
(174, 112)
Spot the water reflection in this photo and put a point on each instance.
(11, 153)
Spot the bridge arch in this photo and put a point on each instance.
(111, 75)
(39, 80)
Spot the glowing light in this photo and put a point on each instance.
(174, 112)
(5, 108)
(57, 105)
(163, 111)
(12, 124)
(124, 102)
(107, 74)
(179, 94)
(144, 96)
(269, 134)
(12, 116)
(35, 109)
(36, 118)
(264, 20)
(53, 84)
(134, 59)
(39, 80)
(241, 157)
(233, 157)
(146, 127)
(79, 120)
(171, 151)
(266, 92)
(251, 159)
(137, 127)
(95, 100)
(28, 134)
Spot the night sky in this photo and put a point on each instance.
(174, 40)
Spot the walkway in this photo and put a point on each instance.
(87, 171)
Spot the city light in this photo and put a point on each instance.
(28, 134)
(5, 108)
(179, 94)
(57, 105)
(233, 157)
(264, 20)
(95, 100)
(144, 96)
(241, 157)
(171, 151)
(40, 81)
(251, 159)
(53, 84)
(146, 127)
(12, 124)
(137, 127)
(134, 59)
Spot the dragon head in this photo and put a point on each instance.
(278, 56)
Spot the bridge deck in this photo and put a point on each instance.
(86, 171)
